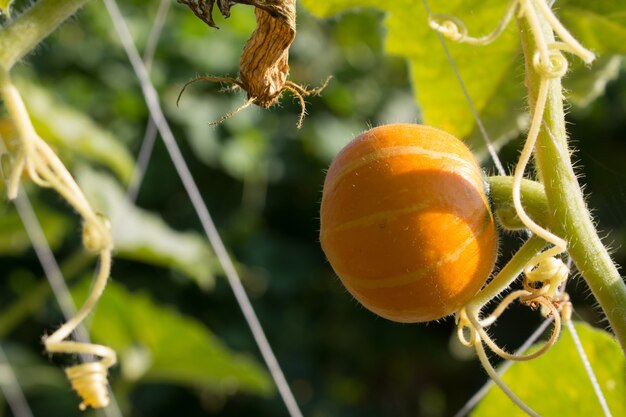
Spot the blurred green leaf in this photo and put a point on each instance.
(14, 240)
(583, 85)
(492, 74)
(244, 154)
(556, 384)
(31, 371)
(63, 126)
(158, 344)
(485, 70)
(599, 25)
(4, 6)
(143, 236)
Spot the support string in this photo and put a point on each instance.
(156, 112)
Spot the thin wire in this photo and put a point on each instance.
(149, 138)
(155, 33)
(477, 119)
(156, 112)
(592, 376)
(143, 160)
(474, 399)
(46, 259)
(55, 277)
(11, 388)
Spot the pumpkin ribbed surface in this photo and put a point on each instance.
(405, 222)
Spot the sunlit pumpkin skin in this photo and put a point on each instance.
(405, 222)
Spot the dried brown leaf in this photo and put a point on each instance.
(264, 63)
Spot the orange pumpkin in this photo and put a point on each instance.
(405, 222)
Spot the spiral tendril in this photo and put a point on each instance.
(550, 272)
(449, 26)
(35, 157)
(90, 381)
(96, 234)
(556, 65)
(454, 29)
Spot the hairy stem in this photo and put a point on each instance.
(533, 198)
(569, 216)
(509, 273)
(23, 34)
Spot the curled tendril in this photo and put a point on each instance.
(464, 324)
(550, 273)
(97, 234)
(454, 29)
(89, 379)
(565, 305)
(530, 299)
(555, 66)
(449, 26)
(34, 157)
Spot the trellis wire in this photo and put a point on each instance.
(155, 33)
(149, 138)
(590, 373)
(11, 388)
(485, 388)
(156, 112)
(47, 260)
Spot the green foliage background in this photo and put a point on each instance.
(183, 343)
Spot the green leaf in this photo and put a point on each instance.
(14, 240)
(157, 344)
(583, 84)
(556, 384)
(599, 25)
(492, 74)
(143, 236)
(31, 371)
(5, 7)
(485, 70)
(66, 127)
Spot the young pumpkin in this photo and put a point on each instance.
(405, 222)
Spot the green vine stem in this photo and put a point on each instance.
(533, 198)
(507, 274)
(568, 213)
(23, 34)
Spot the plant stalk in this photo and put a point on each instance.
(533, 198)
(569, 216)
(509, 273)
(23, 34)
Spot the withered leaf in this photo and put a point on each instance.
(264, 62)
